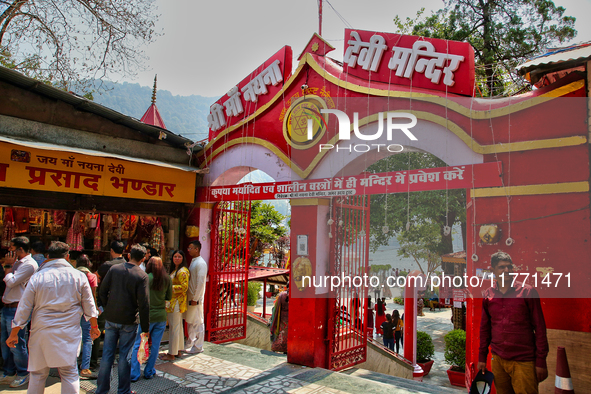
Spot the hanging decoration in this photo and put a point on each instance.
(107, 229)
(75, 238)
(9, 227)
(157, 238)
(97, 232)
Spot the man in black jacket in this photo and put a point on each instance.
(117, 248)
(123, 293)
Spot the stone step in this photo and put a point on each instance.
(405, 385)
(353, 380)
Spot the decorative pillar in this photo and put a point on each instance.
(307, 342)
(205, 228)
(410, 323)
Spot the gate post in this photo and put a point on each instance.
(308, 307)
(205, 223)
(410, 324)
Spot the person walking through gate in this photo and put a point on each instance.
(195, 299)
(19, 266)
(398, 326)
(177, 306)
(380, 315)
(57, 296)
(124, 294)
(513, 325)
(369, 314)
(278, 323)
(160, 292)
(388, 330)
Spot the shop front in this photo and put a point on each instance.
(87, 199)
(75, 171)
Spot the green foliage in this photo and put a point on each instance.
(438, 206)
(409, 23)
(399, 300)
(265, 228)
(503, 34)
(379, 267)
(425, 347)
(68, 42)
(252, 295)
(423, 243)
(455, 349)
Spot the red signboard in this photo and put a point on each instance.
(456, 177)
(417, 62)
(252, 93)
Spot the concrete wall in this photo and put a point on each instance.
(43, 132)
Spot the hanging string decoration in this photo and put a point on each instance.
(97, 233)
(9, 228)
(75, 238)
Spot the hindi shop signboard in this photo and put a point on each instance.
(417, 62)
(252, 93)
(442, 178)
(58, 171)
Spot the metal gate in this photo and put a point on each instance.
(228, 272)
(348, 258)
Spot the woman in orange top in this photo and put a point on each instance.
(178, 305)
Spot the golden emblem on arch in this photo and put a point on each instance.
(295, 123)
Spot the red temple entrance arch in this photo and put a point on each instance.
(540, 140)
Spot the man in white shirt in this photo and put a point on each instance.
(195, 299)
(19, 266)
(55, 322)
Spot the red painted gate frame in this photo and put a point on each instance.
(347, 334)
(225, 318)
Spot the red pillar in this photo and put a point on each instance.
(308, 307)
(410, 323)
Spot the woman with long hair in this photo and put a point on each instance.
(380, 315)
(370, 318)
(388, 329)
(398, 326)
(160, 292)
(178, 304)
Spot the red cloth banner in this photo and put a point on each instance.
(442, 178)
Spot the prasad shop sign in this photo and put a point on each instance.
(23, 167)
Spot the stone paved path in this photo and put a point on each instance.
(235, 368)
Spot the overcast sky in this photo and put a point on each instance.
(210, 46)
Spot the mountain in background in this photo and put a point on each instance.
(184, 115)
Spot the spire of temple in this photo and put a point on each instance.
(154, 91)
(152, 115)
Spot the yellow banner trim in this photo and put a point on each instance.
(528, 190)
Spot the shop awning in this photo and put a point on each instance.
(89, 152)
(48, 167)
(274, 276)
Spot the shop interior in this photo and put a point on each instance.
(88, 232)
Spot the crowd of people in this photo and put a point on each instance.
(55, 309)
(388, 326)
